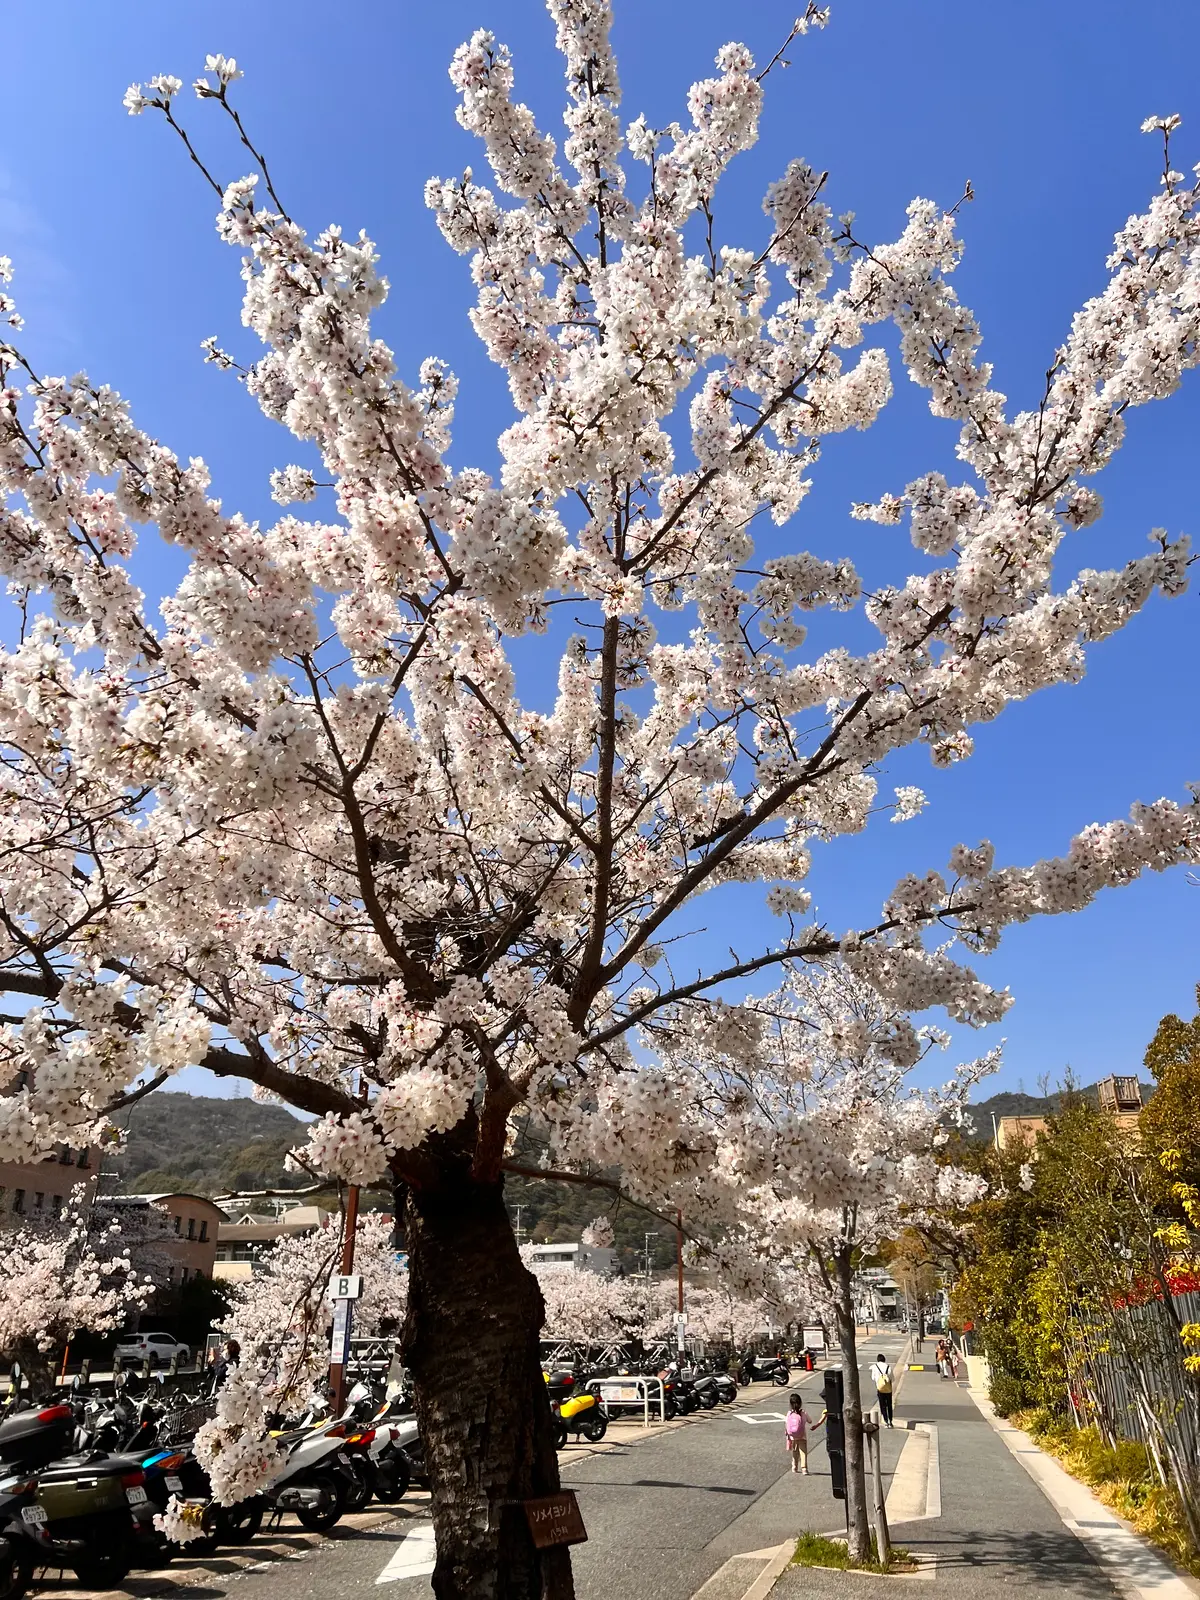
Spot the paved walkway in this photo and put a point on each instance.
(997, 1534)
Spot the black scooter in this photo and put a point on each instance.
(65, 1511)
(767, 1369)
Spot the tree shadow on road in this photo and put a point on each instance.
(1034, 1559)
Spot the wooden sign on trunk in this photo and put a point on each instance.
(555, 1519)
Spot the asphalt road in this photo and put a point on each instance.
(664, 1513)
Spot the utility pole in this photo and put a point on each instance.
(340, 1344)
(517, 1228)
(680, 1325)
(337, 1370)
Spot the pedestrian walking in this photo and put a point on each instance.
(881, 1376)
(943, 1359)
(796, 1433)
(228, 1357)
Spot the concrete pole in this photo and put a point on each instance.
(679, 1340)
(874, 1438)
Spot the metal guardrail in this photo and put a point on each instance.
(629, 1391)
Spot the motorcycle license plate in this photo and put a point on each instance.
(34, 1514)
(175, 1485)
(136, 1497)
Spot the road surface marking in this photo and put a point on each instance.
(916, 1490)
(761, 1416)
(415, 1556)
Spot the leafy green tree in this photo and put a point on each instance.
(1171, 1120)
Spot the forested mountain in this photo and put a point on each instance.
(200, 1145)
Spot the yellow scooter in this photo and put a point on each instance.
(575, 1410)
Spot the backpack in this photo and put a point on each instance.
(882, 1374)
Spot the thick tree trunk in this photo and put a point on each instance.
(858, 1526)
(471, 1342)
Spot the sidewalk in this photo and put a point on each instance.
(997, 1534)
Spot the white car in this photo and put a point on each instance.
(133, 1348)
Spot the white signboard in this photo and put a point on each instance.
(345, 1287)
(339, 1343)
(814, 1338)
(620, 1392)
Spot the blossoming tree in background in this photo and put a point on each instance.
(282, 1319)
(294, 820)
(839, 1090)
(62, 1278)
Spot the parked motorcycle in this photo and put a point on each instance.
(680, 1391)
(704, 1386)
(575, 1409)
(727, 1389)
(60, 1511)
(765, 1369)
(319, 1480)
(389, 1470)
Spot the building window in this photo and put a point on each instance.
(83, 1160)
(178, 1224)
(58, 1205)
(19, 1201)
(204, 1232)
(191, 1227)
(38, 1200)
(65, 1156)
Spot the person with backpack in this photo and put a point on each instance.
(881, 1376)
(796, 1428)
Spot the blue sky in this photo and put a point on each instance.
(119, 272)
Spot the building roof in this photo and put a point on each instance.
(158, 1199)
(301, 1219)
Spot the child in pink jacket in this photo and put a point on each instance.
(796, 1433)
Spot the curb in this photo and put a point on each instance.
(1113, 1543)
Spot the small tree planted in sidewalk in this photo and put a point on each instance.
(294, 820)
(841, 1084)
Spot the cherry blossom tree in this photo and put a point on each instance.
(586, 1308)
(840, 1078)
(295, 822)
(282, 1317)
(61, 1278)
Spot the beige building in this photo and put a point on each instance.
(243, 1238)
(1120, 1096)
(189, 1240)
(36, 1191)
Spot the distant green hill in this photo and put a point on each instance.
(198, 1145)
(201, 1145)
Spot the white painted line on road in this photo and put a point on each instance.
(761, 1416)
(933, 1483)
(415, 1557)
